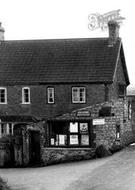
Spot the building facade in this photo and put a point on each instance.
(43, 80)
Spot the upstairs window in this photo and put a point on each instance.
(50, 95)
(26, 95)
(3, 96)
(121, 90)
(78, 95)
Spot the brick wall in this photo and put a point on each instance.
(40, 107)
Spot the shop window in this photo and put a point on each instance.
(73, 127)
(58, 134)
(78, 95)
(84, 139)
(117, 131)
(50, 95)
(105, 111)
(3, 96)
(121, 90)
(74, 140)
(69, 134)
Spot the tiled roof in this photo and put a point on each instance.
(48, 61)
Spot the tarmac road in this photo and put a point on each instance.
(116, 172)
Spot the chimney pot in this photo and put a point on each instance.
(2, 30)
(113, 32)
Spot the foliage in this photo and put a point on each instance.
(3, 185)
(101, 152)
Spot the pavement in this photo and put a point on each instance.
(116, 172)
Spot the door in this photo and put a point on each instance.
(34, 147)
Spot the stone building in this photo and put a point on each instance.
(46, 79)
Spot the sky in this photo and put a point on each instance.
(51, 19)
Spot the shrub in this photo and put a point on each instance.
(3, 185)
(116, 148)
(101, 152)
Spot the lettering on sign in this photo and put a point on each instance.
(83, 114)
(98, 121)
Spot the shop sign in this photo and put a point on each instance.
(98, 121)
(84, 113)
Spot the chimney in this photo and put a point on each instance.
(113, 32)
(2, 30)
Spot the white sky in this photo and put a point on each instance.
(43, 19)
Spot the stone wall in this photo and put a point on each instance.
(59, 155)
(104, 134)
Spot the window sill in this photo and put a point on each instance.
(25, 103)
(78, 102)
(118, 139)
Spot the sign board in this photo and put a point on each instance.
(83, 113)
(98, 121)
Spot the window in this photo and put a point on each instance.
(3, 129)
(78, 95)
(50, 95)
(26, 95)
(117, 131)
(121, 90)
(69, 134)
(129, 110)
(105, 111)
(10, 126)
(3, 96)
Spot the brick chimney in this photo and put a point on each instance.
(113, 32)
(2, 30)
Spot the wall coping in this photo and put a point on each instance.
(63, 148)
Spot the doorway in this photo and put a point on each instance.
(34, 147)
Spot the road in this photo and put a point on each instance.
(116, 172)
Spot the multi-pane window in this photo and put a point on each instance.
(3, 95)
(26, 95)
(50, 95)
(78, 95)
(72, 134)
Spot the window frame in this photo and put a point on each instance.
(5, 95)
(118, 131)
(79, 133)
(120, 86)
(23, 95)
(48, 95)
(78, 95)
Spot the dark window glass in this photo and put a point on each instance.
(10, 128)
(2, 95)
(121, 90)
(105, 112)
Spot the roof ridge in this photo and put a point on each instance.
(56, 39)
